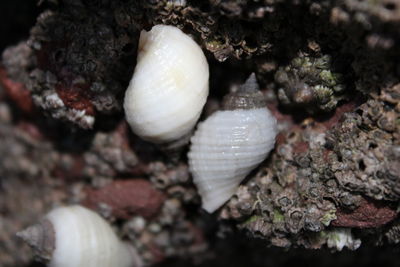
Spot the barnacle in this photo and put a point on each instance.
(310, 83)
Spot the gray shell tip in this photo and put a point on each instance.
(41, 237)
(248, 96)
(251, 83)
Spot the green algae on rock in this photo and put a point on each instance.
(310, 83)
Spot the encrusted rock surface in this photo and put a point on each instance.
(329, 70)
(317, 174)
(310, 83)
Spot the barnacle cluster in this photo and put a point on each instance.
(367, 148)
(310, 83)
(109, 154)
(318, 172)
(365, 13)
(225, 28)
(73, 72)
(83, 65)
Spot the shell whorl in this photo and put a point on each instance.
(41, 237)
(230, 143)
(248, 96)
(169, 86)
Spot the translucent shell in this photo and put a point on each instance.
(169, 87)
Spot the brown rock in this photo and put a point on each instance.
(300, 147)
(127, 198)
(339, 111)
(369, 214)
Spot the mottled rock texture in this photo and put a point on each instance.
(329, 70)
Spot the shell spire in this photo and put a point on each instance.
(250, 84)
(231, 143)
(41, 238)
(248, 96)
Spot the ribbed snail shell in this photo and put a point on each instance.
(169, 87)
(231, 143)
(75, 236)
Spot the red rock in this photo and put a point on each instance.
(139, 169)
(197, 233)
(72, 172)
(127, 198)
(280, 117)
(300, 147)
(280, 139)
(123, 130)
(17, 92)
(339, 111)
(31, 129)
(76, 97)
(326, 153)
(369, 214)
(158, 254)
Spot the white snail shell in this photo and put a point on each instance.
(75, 236)
(231, 143)
(169, 86)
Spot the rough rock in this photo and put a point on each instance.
(126, 198)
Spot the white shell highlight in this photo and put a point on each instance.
(84, 239)
(169, 87)
(225, 148)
